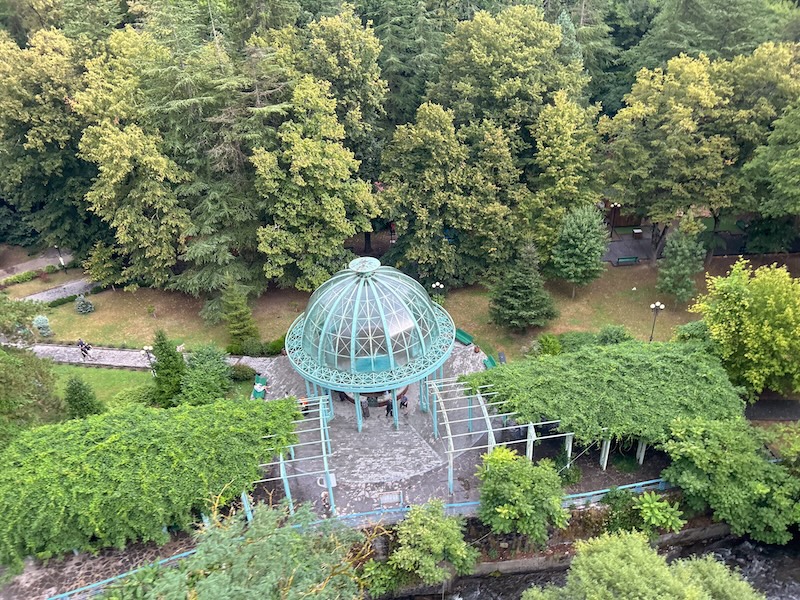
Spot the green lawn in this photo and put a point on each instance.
(42, 283)
(109, 382)
(105, 382)
(122, 318)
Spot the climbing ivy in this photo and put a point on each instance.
(113, 478)
(617, 391)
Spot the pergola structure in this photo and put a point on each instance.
(468, 416)
(369, 330)
(309, 456)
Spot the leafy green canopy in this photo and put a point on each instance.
(753, 318)
(724, 466)
(624, 565)
(268, 558)
(632, 389)
(118, 477)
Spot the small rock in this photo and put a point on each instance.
(503, 545)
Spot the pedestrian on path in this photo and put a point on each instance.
(389, 409)
(85, 350)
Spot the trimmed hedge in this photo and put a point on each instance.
(633, 389)
(114, 478)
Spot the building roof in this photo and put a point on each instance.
(369, 328)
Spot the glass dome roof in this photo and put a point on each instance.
(369, 325)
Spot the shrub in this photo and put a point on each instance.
(83, 305)
(81, 400)
(144, 394)
(657, 514)
(613, 334)
(207, 377)
(518, 496)
(241, 372)
(275, 347)
(252, 347)
(572, 341)
(549, 344)
(724, 466)
(50, 269)
(110, 479)
(428, 542)
(234, 348)
(169, 370)
(695, 331)
(237, 314)
(62, 301)
(42, 325)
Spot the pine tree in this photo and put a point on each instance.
(683, 259)
(81, 400)
(582, 241)
(237, 314)
(519, 299)
(570, 49)
(169, 370)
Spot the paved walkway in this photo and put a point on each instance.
(625, 245)
(48, 257)
(73, 288)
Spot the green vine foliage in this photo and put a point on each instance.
(632, 389)
(724, 466)
(113, 478)
(277, 555)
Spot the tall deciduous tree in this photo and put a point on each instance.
(340, 50)
(309, 191)
(582, 242)
(504, 68)
(518, 299)
(41, 175)
(663, 156)
(566, 146)
(683, 260)
(774, 169)
(453, 195)
(754, 319)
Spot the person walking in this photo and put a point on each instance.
(85, 349)
(389, 408)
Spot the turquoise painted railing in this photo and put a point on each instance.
(373, 516)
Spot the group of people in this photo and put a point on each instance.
(85, 350)
(390, 405)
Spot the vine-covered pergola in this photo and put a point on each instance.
(369, 331)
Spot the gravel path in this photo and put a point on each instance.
(284, 380)
(73, 288)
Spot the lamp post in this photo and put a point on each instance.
(147, 353)
(656, 307)
(60, 258)
(615, 206)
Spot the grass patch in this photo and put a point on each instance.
(105, 382)
(42, 284)
(611, 300)
(122, 318)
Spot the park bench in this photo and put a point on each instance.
(489, 362)
(463, 337)
(627, 260)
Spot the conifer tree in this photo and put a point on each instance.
(582, 241)
(518, 299)
(169, 370)
(683, 259)
(81, 399)
(237, 314)
(570, 49)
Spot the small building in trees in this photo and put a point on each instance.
(367, 334)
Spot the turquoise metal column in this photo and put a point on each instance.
(469, 413)
(394, 410)
(435, 418)
(286, 488)
(329, 408)
(359, 416)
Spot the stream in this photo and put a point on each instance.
(773, 570)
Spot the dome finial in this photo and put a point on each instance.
(364, 265)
